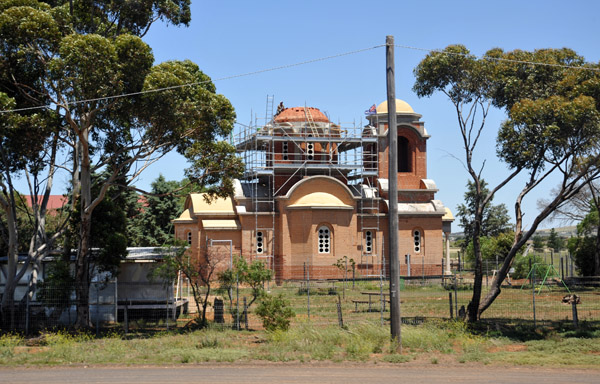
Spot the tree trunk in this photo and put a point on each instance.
(495, 287)
(596, 271)
(8, 297)
(82, 274)
(205, 305)
(82, 267)
(597, 252)
(473, 307)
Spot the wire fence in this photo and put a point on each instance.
(148, 307)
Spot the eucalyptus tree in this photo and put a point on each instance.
(29, 145)
(551, 99)
(79, 63)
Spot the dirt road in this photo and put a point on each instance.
(266, 373)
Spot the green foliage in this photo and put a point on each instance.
(523, 265)
(345, 264)
(495, 220)
(583, 250)
(491, 247)
(555, 241)
(57, 55)
(110, 17)
(151, 226)
(55, 291)
(552, 125)
(254, 275)
(590, 222)
(200, 273)
(275, 312)
(538, 242)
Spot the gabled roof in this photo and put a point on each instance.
(196, 204)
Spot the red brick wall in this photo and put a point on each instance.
(406, 180)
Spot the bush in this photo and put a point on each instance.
(275, 312)
(522, 269)
(583, 250)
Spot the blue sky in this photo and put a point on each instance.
(227, 38)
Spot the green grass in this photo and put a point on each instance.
(433, 341)
(505, 336)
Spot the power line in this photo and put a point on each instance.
(286, 66)
(500, 59)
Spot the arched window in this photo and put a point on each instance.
(259, 242)
(417, 240)
(189, 237)
(404, 155)
(324, 239)
(369, 242)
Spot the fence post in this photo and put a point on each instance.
(126, 317)
(175, 303)
(167, 305)
(455, 295)
(533, 295)
(450, 301)
(486, 273)
(237, 300)
(97, 311)
(345, 278)
(27, 315)
(423, 269)
(245, 314)
(562, 268)
(571, 264)
(530, 280)
(308, 291)
(339, 310)
(116, 301)
(575, 318)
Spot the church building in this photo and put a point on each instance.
(315, 193)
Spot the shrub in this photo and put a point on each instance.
(583, 250)
(522, 266)
(275, 312)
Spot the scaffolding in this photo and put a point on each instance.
(278, 154)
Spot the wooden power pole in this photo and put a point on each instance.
(393, 195)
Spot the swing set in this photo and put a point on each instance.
(551, 273)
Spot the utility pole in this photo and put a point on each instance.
(393, 195)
